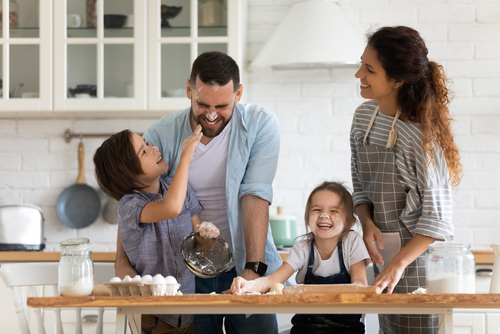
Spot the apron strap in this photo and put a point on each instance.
(370, 125)
(393, 135)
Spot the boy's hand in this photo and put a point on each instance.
(207, 230)
(205, 238)
(189, 145)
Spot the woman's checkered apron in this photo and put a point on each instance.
(378, 174)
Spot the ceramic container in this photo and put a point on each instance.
(283, 229)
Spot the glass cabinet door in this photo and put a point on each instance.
(179, 31)
(100, 55)
(26, 55)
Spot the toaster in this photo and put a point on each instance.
(21, 228)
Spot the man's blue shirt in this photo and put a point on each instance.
(251, 164)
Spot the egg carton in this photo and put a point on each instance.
(142, 289)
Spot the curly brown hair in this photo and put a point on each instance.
(424, 97)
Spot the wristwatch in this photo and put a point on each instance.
(259, 267)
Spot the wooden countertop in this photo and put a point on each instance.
(482, 256)
(50, 256)
(185, 303)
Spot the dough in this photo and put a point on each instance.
(277, 288)
(420, 291)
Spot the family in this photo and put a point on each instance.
(210, 168)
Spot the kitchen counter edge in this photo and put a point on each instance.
(481, 256)
(50, 256)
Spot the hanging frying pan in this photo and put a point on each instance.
(79, 205)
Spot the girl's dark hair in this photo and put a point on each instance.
(215, 68)
(117, 165)
(345, 202)
(424, 96)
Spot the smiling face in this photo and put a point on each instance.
(374, 82)
(212, 105)
(151, 160)
(326, 215)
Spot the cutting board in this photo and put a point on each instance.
(331, 288)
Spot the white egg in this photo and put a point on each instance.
(127, 279)
(136, 278)
(115, 279)
(158, 279)
(147, 279)
(170, 280)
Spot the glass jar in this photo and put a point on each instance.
(76, 269)
(450, 268)
(210, 13)
(13, 14)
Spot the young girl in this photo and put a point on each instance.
(404, 161)
(330, 254)
(155, 214)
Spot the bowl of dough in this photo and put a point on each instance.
(206, 258)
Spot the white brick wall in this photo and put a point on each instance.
(462, 35)
(314, 108)
(36, 165)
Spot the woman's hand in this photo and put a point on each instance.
(389, 277)
(241, 285)
(189, 145)
(392, 273)
(372, 233)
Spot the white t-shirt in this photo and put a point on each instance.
(207, 176)
(353, 247)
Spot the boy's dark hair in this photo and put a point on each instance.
(117, 165)
(345, 202)
(215, 68)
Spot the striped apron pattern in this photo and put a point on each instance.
(379, 178)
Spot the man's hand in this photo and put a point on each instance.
(122, 264)
(123, 270)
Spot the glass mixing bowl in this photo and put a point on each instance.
(206, 258)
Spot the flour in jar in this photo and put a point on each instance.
(452, 284)
(83, 287)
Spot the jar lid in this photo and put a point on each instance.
(448, 243)
(76, 243)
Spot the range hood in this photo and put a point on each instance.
(314, 34)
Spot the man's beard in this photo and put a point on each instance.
(209, 133)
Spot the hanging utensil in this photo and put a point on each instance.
(79, 205)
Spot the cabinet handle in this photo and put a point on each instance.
(90, 319)
(484, 272)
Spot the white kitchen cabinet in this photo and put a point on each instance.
(111, 60)
(171, 51)
(476, 321)
(142, 66)
(26, 53)
(493, 322)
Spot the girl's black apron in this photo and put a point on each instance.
(327, 323)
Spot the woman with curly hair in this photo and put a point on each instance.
(404, 163)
